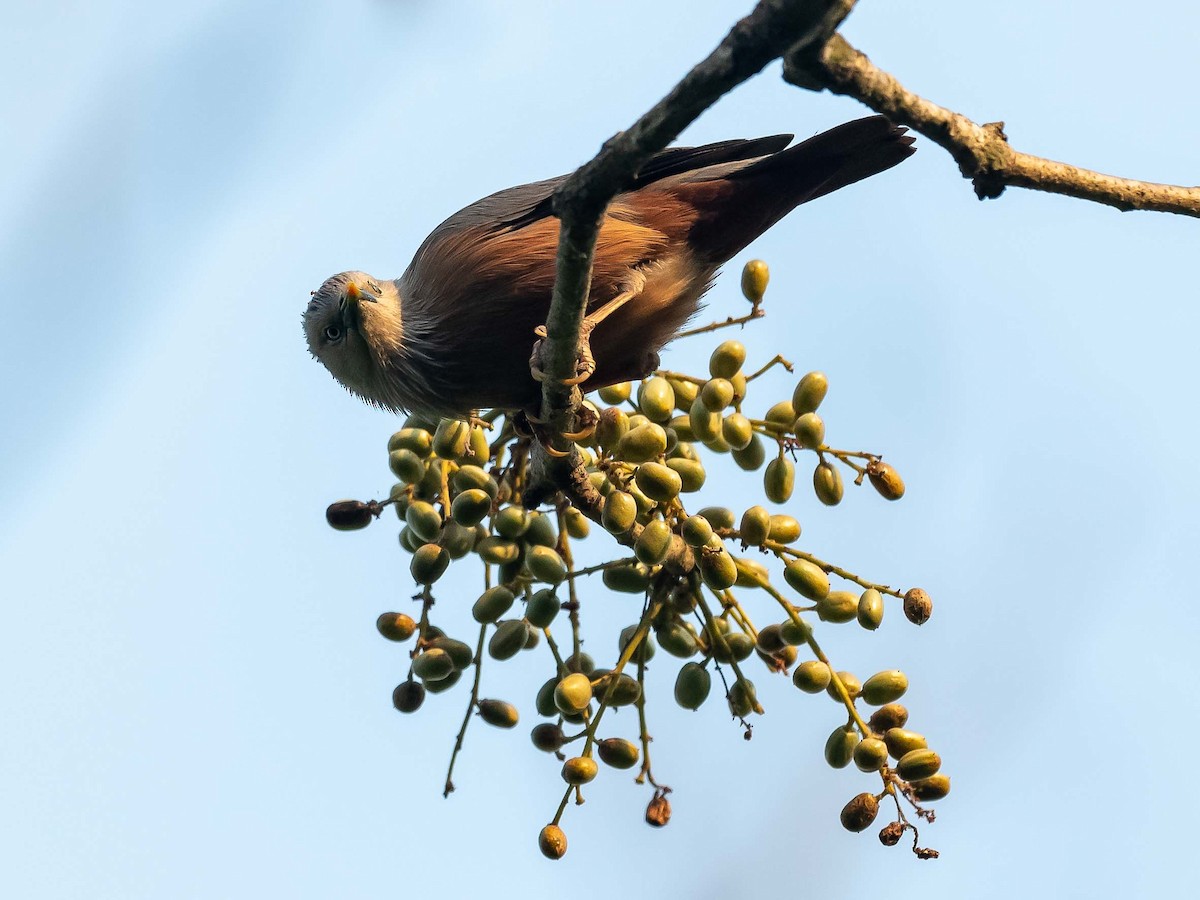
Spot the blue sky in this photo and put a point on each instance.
(196, 702)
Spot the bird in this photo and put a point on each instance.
(452, 335)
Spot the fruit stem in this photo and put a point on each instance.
(757, 312)
(777, 360)
(718, 636)
(462, 732)
(643, 733)
(777, 548)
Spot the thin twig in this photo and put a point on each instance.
(982, 152)
(756, 313)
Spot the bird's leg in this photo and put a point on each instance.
(585, 363)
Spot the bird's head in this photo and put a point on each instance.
(354, 328)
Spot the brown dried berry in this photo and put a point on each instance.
(886, 480)
(658, 812)
(859, 813)
(918, 606)
(891, 833)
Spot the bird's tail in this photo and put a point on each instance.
(736, 202)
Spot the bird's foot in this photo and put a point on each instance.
(585, 363)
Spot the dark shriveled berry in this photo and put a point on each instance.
(859, 813)
(408, 696)
(350, 515)
(658, 812)
(547, 737)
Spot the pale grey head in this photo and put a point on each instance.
(354, 326)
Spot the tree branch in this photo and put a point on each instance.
(982, 152)
(772, 28)
(816, 57)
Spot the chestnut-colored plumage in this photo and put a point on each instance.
(453, 333)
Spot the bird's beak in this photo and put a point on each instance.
(355, 295)
(349, 305)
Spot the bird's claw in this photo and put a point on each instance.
(529, 425)
(587, 420)
(585, 363)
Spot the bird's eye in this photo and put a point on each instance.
(373, 286)
(333, 333)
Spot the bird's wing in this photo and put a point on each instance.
(504, 244)
(516, 207)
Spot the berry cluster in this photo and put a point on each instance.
(459, 496)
